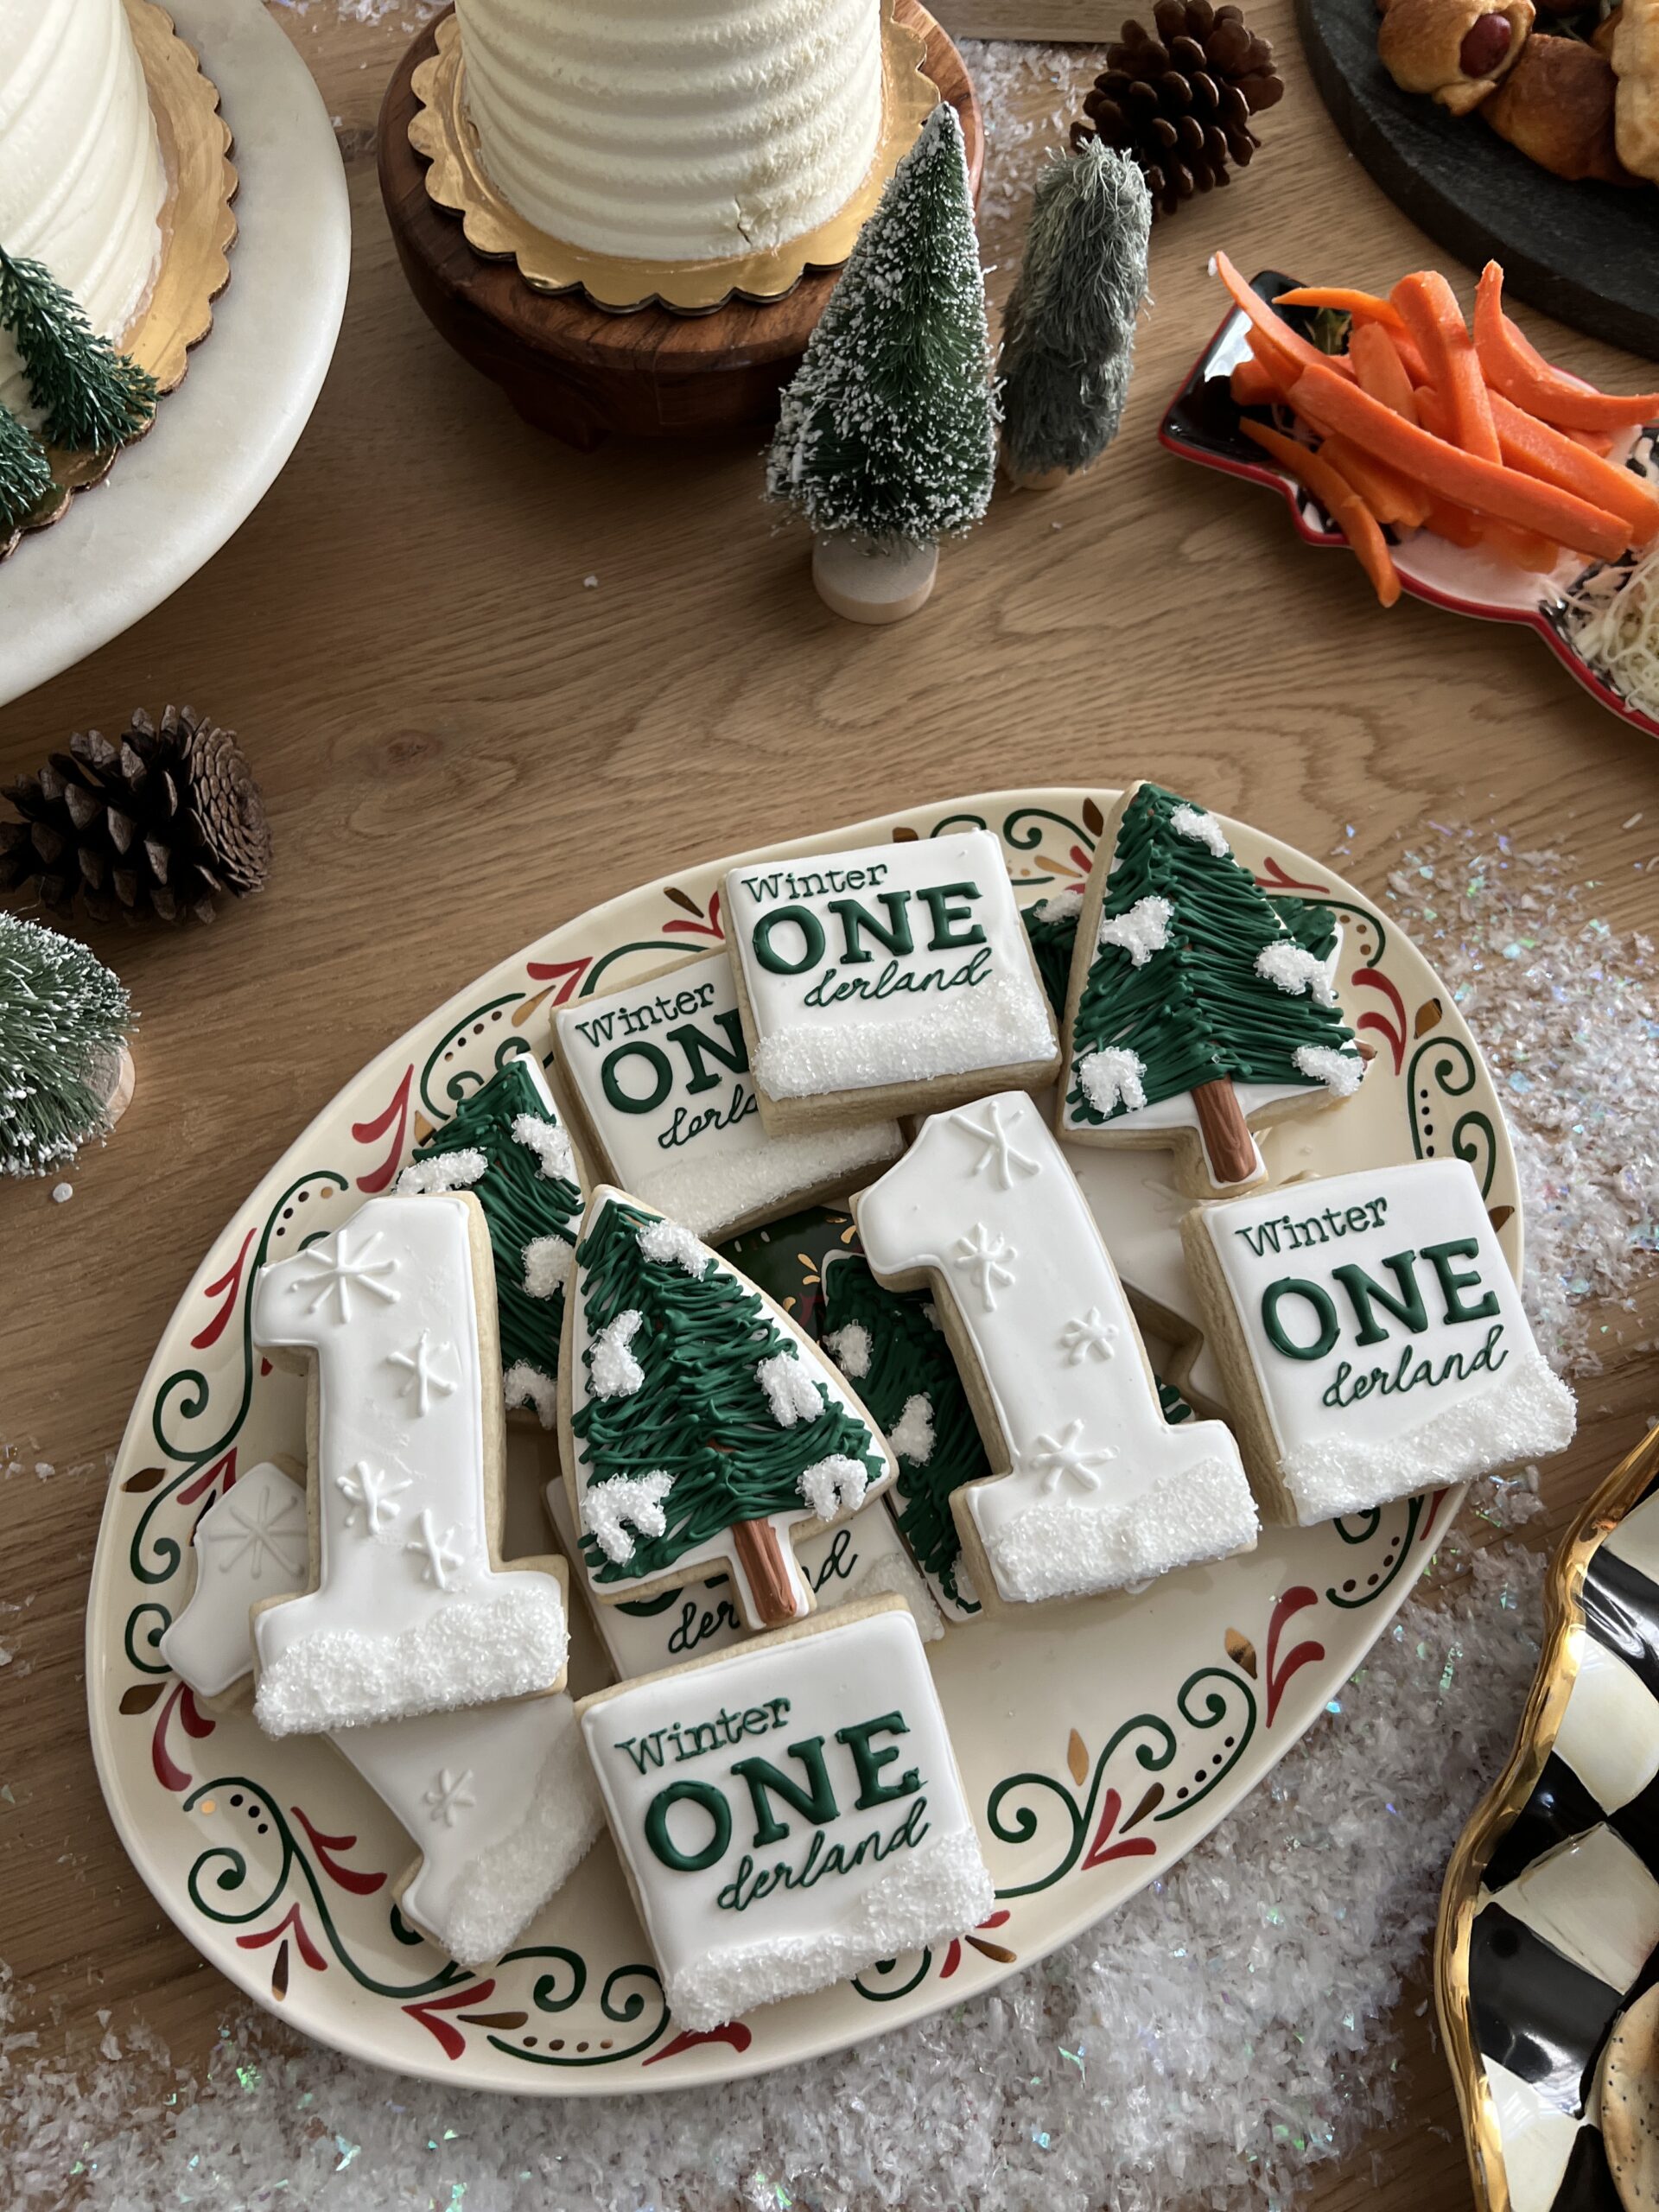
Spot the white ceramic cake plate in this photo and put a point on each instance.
(220, 441)
(1098, 1741)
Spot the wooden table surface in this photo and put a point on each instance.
(461, 744)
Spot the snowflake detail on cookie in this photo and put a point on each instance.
(334, 1276)
(264, 1528)
(441, 1557)
(428, 1382)
(372, 1492)
(983, 1258)
(1055, 1460)
(1000, 1157)
(1089, 1338)
(449, 1795)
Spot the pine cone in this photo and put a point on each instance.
(157, 825)
(1179, 104)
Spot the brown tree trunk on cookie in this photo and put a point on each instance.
(1228, 1145)
(760, 1555)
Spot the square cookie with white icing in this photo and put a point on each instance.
(788, 1812)
(893, 979)
(656, 1080)
(1372, 1338)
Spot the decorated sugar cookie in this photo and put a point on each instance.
(410, 1612)
(700, 1428)
(788, 1812)
(861, 1558)
(500, 1803)
(506, 1145)
(894, 979)
(1195, 1014)
(890, 1344)
(1372, 1338)
(1099, 1490)
(658, 1077)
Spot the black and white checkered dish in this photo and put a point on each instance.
(1565, 1933)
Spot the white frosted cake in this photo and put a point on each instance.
(81, 182)
(674, 130)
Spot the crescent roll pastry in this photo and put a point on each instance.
(1556, 106)
(1456, 49)
(1636, 65)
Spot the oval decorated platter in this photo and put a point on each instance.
(1098, 1740)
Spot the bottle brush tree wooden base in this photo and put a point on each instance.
(866, 583)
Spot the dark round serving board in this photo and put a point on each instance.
(1587, 254)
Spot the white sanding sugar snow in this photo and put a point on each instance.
(791, 1393)
(501, 1891)
(612, 1371)
(1140, 932)
(938, 1889)
(1113, 1078)
(448, 1171)
(835, 1485)
(737, 1181)
(670, 1244)
(911, 1435)
(1001, 1023)
(1203, 829)
(1341, 1072)
(551, 1146)
(1296, 971)
(505, 1639)
(614, 1512)
(1526, 1412)
(1059, 1548)
(526, 1389)
(548, 1261)
(850, 1349)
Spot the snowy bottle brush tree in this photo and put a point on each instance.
(1068, 334)
(887, 438)
(64, 1070)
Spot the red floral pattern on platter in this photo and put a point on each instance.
(195, 1723)
(360, 1883)
(392, 1124)
(1280, 1671)
(430, 2013)
(229, 1289)
(734, 2033)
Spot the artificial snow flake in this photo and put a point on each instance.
(449, 1795)
(1087, 1338)
(427, 1379)
(373, 1490)
(982, 1256)
(441, 1557)
(1060, 1459)
(998, 1155)
(266, 1528)
(335, 1276)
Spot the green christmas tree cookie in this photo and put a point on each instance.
(700, 1428)
(1194, 1014)
(506, 1145)
(1052, 926)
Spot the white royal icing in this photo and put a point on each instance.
(500, 1801)
(662, 1070)
(706, 1759)
(904, 962)
(1143, 930)
(610, 1509)
(1476, 1394)
(1102, 1490)
(409, 1615)
(447, 1171)
(863, 1557)
(1204, 828)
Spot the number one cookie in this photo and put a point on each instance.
(1194, 1015)
(700, 1428)
(396, 1311)
(1099, 1491)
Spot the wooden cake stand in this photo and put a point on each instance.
(577, 370)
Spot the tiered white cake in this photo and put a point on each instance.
(81, 183)
(674, 130)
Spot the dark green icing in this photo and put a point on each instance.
(1319, 1304)
(699, 1415)
(520, 1204)
(1173, 1406)
(1196, 1012)
(1313, 927)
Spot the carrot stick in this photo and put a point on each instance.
(1273, 327)
(1434, 413)
(1340, 500)
(1281, 366)
(1539, 450)
(1456, 524)
(1597, 441)
(1344, 299)
(1522, 548)
(1390, 497)
(1429, 309)
(1253, 385)
(1380, 370)
(1410, 358)
(1517, 369)
(1464, 478)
